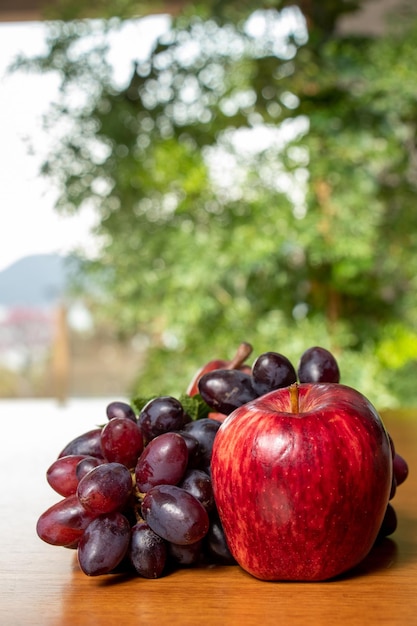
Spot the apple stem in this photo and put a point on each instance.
(294, 397)
(242, 353)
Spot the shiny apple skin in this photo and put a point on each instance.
(301, 496)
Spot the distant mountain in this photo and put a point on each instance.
(37, 280)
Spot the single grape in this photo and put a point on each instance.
(62, 474)
(198, 483)
(216, 544)
(175, 515)
(400, 468)
(204, 430)
(121, 441)
(86, 464)
(226, 390)
(318, 365)
(88, 443)
(389, 523)
(163, 461)
(104, 544)
(63, 524)
(186, 555)
(194, 449)
(120, 409)
(147, 551)
(271, 371)
(105, 488)
(161, 415)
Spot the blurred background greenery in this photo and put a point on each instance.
(255, 180)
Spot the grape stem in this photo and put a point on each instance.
(294, 398)
(242, 353)
(137, 504)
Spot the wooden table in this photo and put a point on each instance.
(41, 585)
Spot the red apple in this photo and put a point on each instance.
(243, 352)
(302, 478)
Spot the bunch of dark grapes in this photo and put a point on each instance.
(224, 390)
(136, 492)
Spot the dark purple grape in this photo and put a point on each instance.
(86, 464)
(198, 483)
(163, 461)
(318, 365)
(62, 474)
(105, 488)
(194, 450)
(175, 515)
(122, 441)
(186, 555)
(161, 415)
(104, 544)
(226, 390)
(400, 468)
(271, 371)
(88, 443)
(216, 544)
(389, 523)
(147, 551)
(204, 430)
(64, 522)
(120, 409)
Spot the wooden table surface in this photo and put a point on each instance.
(41, 585)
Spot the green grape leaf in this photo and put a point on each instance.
(194, 406)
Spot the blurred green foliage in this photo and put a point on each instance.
(255, 180)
